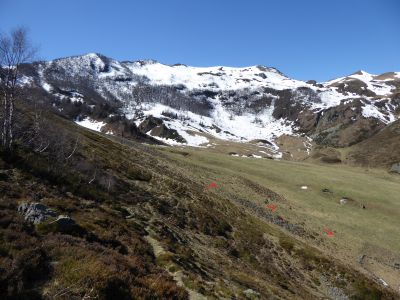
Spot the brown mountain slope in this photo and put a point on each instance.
(380, 150)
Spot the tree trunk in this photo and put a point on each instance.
(7, 134)
(5, 121)
(10, 124)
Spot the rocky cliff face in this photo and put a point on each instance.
(194, 105)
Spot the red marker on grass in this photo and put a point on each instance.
(272, 207)
(328, 232)
(212, 185)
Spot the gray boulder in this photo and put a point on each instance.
(395, 168)
(36, 212)
(64, 223)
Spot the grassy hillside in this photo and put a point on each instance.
(366, 225)
(150, 225)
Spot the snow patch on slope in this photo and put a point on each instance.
(379, 87)
(242, 128)
(371, 111)
(215, 78)
(91, 124)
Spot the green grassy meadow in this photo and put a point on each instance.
(354, 228)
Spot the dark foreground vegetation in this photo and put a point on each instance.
(105, 256)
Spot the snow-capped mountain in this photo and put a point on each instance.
(195, 106)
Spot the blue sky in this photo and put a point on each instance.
(310, 39)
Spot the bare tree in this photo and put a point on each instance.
(15, 49)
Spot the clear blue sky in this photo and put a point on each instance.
(309, 39)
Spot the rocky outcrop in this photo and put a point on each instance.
(167, 133)
(149, 123)
(40, 214)
(36, 213)
(122, 127)
(354, 86)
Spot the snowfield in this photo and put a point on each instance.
(235, 128)
(216, 78)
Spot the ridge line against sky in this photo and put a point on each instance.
(306, 39)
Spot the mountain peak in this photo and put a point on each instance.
(361, 72)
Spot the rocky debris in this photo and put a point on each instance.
(395, 168)
(251, 294)
(333, 291)
(36, 212)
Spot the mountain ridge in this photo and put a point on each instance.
(212, 66)
(199, 104)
